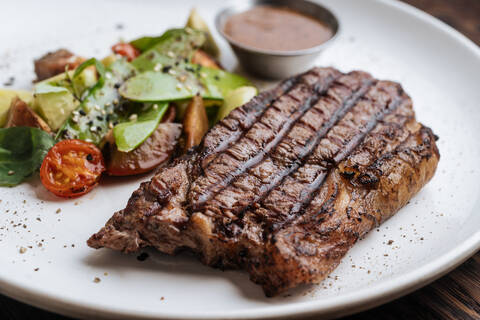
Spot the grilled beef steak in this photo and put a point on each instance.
(54, 63)
(286, 184)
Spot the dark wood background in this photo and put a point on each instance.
(455, 296)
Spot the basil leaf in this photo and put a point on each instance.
(22, 150)
(129, 135)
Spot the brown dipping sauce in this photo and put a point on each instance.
(276, 28)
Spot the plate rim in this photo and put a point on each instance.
(346, 304)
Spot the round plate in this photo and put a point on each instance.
(435, 232)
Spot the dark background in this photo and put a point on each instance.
(455, 296)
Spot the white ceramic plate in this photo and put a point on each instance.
(433, 234)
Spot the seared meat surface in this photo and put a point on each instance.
(54, 63)
(21, 115)
(286, 184)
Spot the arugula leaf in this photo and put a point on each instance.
(22, 150)
(129, 135)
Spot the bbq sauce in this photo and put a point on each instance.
(277, 29)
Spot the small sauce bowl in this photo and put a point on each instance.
(274, 64)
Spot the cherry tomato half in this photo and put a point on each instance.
(72, 168)
(126, 50)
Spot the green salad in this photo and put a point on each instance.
(85, 117)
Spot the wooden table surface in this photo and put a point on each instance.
(455, 296)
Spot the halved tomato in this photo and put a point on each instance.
(72, 168)
(126, 50)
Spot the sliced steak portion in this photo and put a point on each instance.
(54, 63)
(21, 115)
(287, 183)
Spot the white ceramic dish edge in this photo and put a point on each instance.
(346, 304)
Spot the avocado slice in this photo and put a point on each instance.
(55, 107)
(54, 98)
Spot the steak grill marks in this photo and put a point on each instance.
(386, 138)
(287, 183)
(264, 135)
(287, 200)
(310, 191)
(289, 154)
(231, 129)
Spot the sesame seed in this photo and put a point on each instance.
(110, 125)
(179, 86)
(188, 30)
(23, 250)
(157, 67)
(166, 69)
(189, 88)
(96, 280)
(133, 117)
(83, 113)
(115, 101)
(75, 119)
(11, 172)
(108, 104)
(182, 78)
(155, 106)
(203, 75)
(88, 140)
(170, 54)
(172, 72)
(108, 75)
(96, 107)
(75, 113)
(93, 128)
(103, 112)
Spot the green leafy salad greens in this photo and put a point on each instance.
(22, 150)
(126, 98)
